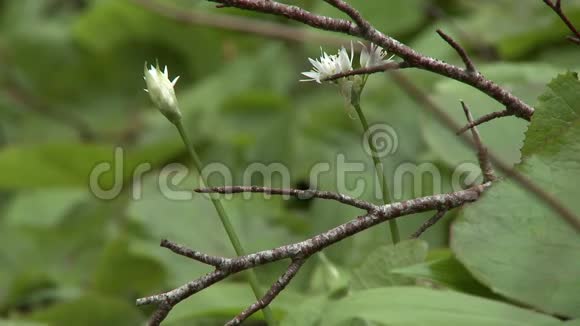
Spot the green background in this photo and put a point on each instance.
(71, 92)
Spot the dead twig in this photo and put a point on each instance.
(484, 119)
(429, 223)
(557, 8)
(482, 154)
(469, 66)
(301, 194)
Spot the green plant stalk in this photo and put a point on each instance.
(394, 228)
(225, 222)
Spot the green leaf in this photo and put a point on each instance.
(419, 306)
(90, 310)
(306, 313)
(447, 271)
(65, 165)
(376, 269)
(512, 242)
(121, 273)
(20, 323)
(56, 203)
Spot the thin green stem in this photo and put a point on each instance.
(395, 236)
(225, 222)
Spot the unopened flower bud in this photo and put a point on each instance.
(160, 89)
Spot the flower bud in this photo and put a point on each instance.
(160, 89)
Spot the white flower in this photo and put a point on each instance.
(160, 89)
(329, 65)
(373, 56)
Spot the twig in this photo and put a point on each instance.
(429, 223)
(217, 262)
(409, 55)
(301, 194)
(420, 97)
(362, 23)
(304, 249)
(484, 119)
(272, 293)
(557, 8)
(469, 66)
(574, 39)
(482, 153)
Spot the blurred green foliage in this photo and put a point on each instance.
(71, 92)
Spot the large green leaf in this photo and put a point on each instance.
(121, 273)
(72, 164)
(448, 272)
(90, 310)
(419, 306)
(56, 204)
(376, 269)
(511, 241)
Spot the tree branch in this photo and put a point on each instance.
(469, 66)
(412, 57)
(217, 262)
(557, 8)
(429, 223)
(301, 194)
(421, 98)
(482, 154)
(272, 293)
(304, 249)
(484, 119)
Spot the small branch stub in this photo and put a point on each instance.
(469, 66)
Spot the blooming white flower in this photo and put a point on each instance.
(328, 65)
(373, 56)
(161, 91)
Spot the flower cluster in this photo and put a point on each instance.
(329, 65)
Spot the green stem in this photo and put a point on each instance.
(225, 222)
(378, 170)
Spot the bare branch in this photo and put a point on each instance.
(420, 97)
(429, 223)
(557, 8)
(412, 57)
(272, 293)
(304, 249)
(482, 154)
(301, 194)
(217, 262)
(469, 66)
(574, 39)
(484, 119)
(362, 23)
(371, 70)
